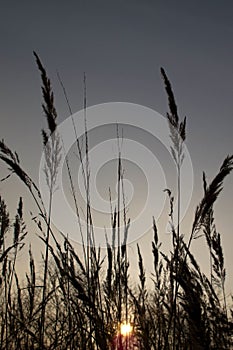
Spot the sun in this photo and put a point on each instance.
(126, 329)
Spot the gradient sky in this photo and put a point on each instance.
(121, 45)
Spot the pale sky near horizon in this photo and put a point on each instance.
(121, 46)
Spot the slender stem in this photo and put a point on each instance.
(43, 309)
(176, 253)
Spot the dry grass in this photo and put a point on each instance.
(80, 301)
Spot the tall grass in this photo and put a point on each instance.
(80, 301)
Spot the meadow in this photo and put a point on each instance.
(89, 300)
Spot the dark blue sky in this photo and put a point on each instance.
(121, 45)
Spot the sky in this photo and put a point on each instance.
(121, 46)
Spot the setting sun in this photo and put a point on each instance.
(126, 329)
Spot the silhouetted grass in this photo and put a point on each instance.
(81, 300)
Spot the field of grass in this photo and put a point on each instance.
(86, 301)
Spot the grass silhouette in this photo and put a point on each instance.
(81, 300)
